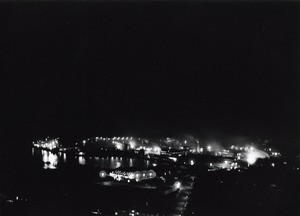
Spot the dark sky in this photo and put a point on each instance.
(149, 68)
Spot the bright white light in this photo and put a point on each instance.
(131, 176)
(81, 160)
(50, 160)
(251, 158)
(173, 158)
(177, 185)
(253, 155)
(132, 144)
(157, 149)
(208, 148)
(102, 174)
(119, 146)
(151, 173)
(137, 175)
(144, 174)
(192, 162)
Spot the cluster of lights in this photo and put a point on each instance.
(152, 150)
(50, 160)
(119, 146)
(192, 162)
(121, 138)
(108, 138)
(173, 159)
(47, 144)
(177, 184)
(242, 148)
(208, 148)
(120, 175)
(275, 154)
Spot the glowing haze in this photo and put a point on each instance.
(253, 154)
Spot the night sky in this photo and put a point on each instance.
(85, 69)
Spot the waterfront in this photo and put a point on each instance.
(149, 108)
(50, 160)
(67, 183)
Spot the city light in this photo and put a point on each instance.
(173, 159)
(81, 160)
(132, 144)
(131, 176)
(251, 158)
(177, 184)
(208, 148)
(162, 166)
(157, 149)
(47, 144)
(253, 155)
(119, 146)
(192, 162)
(102, 174)
(50, 160)
(137, 174)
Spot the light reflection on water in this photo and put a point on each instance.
(52, 160)
(65, 157)
(81, 160)
(117, 162)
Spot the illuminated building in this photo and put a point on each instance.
(50, 144)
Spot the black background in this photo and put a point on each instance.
(79, 69)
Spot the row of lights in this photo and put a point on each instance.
(131, 175)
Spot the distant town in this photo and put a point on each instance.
(143, 176)
(169, 149)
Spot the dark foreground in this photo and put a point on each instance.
(71, 190)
